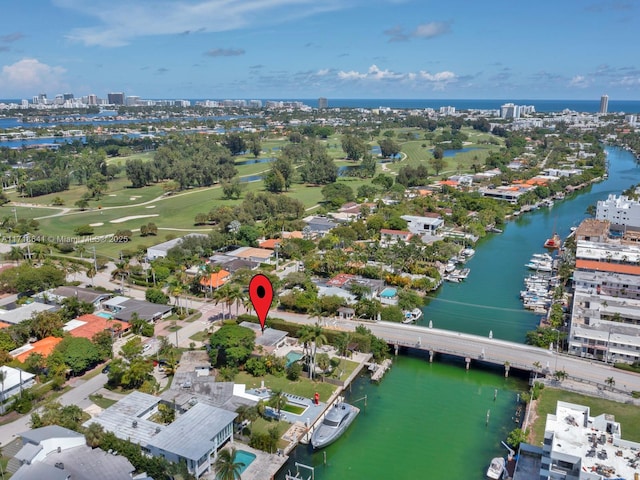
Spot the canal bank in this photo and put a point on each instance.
(428, 420)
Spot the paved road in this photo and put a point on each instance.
(76, 396)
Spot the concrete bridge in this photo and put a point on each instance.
(476, 349)
(510, 355)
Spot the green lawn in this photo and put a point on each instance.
(303, 387)
(199, 336)
(101, 401)
(627, 415)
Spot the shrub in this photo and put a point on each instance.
(293, 371)
(256, 367)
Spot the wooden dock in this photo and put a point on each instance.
(379, 372)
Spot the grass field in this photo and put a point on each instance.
(303, 387)
(627, 415)
(174, 215)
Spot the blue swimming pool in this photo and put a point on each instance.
(105, 315)
(245, 458)
(293, 357)
(388, 292)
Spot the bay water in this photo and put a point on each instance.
(429, 420)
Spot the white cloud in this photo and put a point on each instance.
(579, 81)
(432, 29)
(181, 17)
(629, 81)
(437, 81)
(323, 71)
(29, 75)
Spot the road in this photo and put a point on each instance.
(79, 395)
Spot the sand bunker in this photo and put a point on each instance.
(151, 206)
(112, 195)
(133, 198)
(132, 217)
(99, 224)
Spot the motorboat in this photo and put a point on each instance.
(412, 316)
(335, 423)
(496, 468)
(554, 242)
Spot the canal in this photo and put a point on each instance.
(430, 420)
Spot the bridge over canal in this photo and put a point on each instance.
(475, 348)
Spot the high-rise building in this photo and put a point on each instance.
(115, 98)
(604, 103)
(323, 103)
(509, 110)
(67, 96)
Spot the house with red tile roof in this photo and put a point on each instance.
(215, 280)
(44, 347)
(86, 326)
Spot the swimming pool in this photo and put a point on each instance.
(293, 357)
(106, 315)
(245, 458)
(388, 292)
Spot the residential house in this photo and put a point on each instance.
(215, 280)
(23, 312)
(14, 380)
(252, 254)
(86, 326)
(55, 452)
(123, 308)
(43, 347)
(428, 224)
(390, 237)
(318, 226)
(162, 249)
(87, 295)
(195, 437)
(269, 339)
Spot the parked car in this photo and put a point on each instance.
(107, 368)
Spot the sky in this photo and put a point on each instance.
(219, 49)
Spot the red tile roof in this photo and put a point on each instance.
(607, 267)
(216, 279)
(44, 347)
(95, 324)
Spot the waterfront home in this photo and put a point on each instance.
(195, 436)
(390, 237)
(428, 224)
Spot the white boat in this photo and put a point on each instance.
(451, 266)
(412, 316)
(335, 422)
(468, 252)
(496, 468)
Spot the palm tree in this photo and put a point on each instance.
(318, 338)
(226, 466)
(278, 400)
(304, 336)
(560, 375)
(236, 295)
(94, 434)
(610, 381)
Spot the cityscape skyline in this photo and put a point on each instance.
(339, 49)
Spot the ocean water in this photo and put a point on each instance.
(587, 106)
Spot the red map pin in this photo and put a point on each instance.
(261, 295)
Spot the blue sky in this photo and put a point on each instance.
(543, 49)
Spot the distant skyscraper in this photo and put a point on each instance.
(322, 103)
(115, 98)
(604, 103)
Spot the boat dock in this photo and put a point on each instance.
(378, 371)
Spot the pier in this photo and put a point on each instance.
(379, 370)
